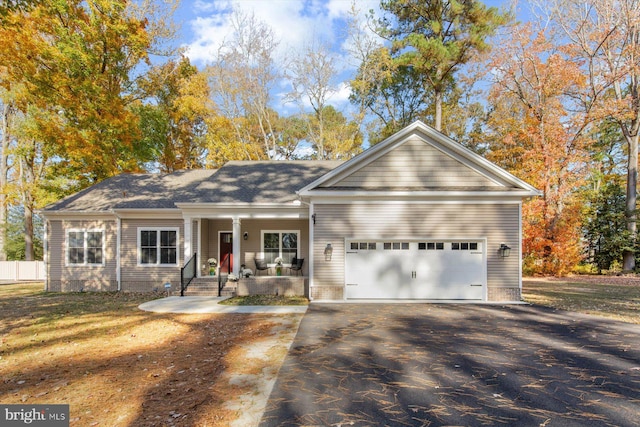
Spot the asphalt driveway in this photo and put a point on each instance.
(471, 365)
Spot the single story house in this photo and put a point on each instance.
(415, 217)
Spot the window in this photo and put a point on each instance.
(85, 247)
(363, 246)
(395, 246)
(158, 246)
(464, 246)
(283, 244)
(431, 246)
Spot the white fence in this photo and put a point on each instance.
(22, 270)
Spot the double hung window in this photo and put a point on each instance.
(280, 244)
(85, 247)
(158, 246)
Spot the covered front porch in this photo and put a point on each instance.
(262, 242)
(237, 244)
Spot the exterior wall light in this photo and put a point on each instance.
(505, 250)
(245, 236)
(328, 252)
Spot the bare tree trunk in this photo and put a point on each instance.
(628, 257)
(26, 178)
(29, 251)
(4, 156)
(438, 117)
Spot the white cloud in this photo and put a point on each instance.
(341, 97)
(296, 24)
(293, 22)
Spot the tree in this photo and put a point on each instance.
(241, 78)
(174, 125)
(395, 95)
(16, 246)
(341, 138)
(538, 139)
(313, 78)
(604, 36)
(68, 71)
(604, 224)
(6, 123)
(437, 38)
(605, 231)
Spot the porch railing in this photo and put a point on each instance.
(187, 274)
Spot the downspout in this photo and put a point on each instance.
(45, 258)
(520, 249)
(118, 242)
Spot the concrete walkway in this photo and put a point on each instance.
(199, 305)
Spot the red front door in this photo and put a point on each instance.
(226, 252)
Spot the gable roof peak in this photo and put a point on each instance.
(437, 140)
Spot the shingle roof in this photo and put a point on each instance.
(259, 182)
(235, 182)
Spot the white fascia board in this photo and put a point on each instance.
(418, 201)
(246, 211)
(184, 206)
(76, 215)
(149, 213)
(318, 195)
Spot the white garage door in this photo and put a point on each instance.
(428, 269)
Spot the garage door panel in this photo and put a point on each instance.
(415, 270)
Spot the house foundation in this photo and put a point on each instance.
(273, 285)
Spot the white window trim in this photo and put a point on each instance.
(263, 232)
(157, 264)
(84, 242)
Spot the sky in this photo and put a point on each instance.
(204, 24)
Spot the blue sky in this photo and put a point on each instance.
(205, 24)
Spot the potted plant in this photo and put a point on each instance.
(278, 262)
(212, 266)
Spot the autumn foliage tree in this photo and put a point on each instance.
(604, 38)
(535, 136)
(72, 61)
(174, 126)
(68, 67)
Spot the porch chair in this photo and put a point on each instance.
(296, 265)
(261, 265)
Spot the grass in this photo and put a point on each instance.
(117, 365)
(266, 300)
(611, 297)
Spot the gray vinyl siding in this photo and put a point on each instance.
(147, 278)
(415, 164)
(498, 223)
(64, 277)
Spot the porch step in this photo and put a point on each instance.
(208, 286)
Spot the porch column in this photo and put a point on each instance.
(187, 240)
(237, 237)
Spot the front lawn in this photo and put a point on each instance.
(614, 297)
(117, 365)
